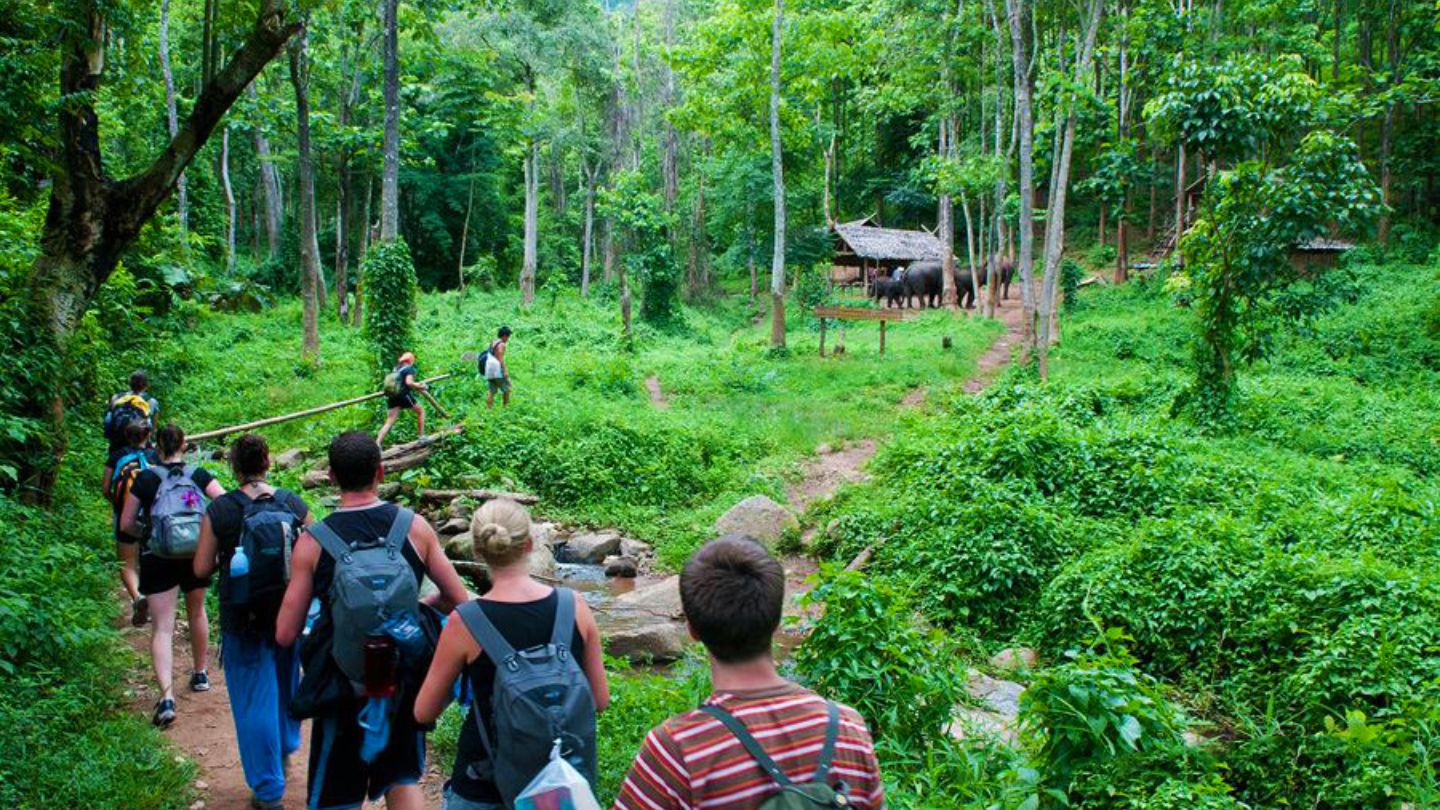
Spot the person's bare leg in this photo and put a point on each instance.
(490, 399)
(199, 629)
(404, 797)
(390, 418)
(162, 636)
(419, 421)
(505, 398)
(129, 554)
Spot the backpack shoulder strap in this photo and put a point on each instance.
(561, 635)
(751, 745)
(487, 635)
(832, 734)
(330, 541)
(399, 530)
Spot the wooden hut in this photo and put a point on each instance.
(1317, 254)
(863, 251)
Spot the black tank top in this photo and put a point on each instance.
(369, 525)
(524, 625)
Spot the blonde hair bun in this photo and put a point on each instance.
(501, 529)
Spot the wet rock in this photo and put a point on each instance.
(661, 601)
(759, 517)
(542, 562)
(588, 548)
(661, 642)
(1015, 659)
(460, 546)
(290, 459)
(543, 534)
(621, 566)
(453, 526)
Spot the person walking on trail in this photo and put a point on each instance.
(497, 372)
(123, 465)
(260, 676)
(401, 384)
(517, 613)
(163, 511)
(724, 755)
(133, 404)
(365, 656)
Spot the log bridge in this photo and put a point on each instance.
(275, 420)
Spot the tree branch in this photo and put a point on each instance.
(140, 195)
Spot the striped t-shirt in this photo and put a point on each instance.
(691, 761)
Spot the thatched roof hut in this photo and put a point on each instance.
(860, 244)
(1319, 253)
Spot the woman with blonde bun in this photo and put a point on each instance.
(523, 611)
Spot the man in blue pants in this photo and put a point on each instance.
(259, 675)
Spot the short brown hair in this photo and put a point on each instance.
(354, 461)
(733, 593)
(250, 457)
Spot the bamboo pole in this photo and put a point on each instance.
(275, 420)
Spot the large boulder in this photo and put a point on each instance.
(997, 712)
(759, 517)
(1015, 659)
(542, 562)
(621, 566)
(543, 534)
(661, 642)
(590, 548)
(635, 549)
(290, 459)
(659, 601)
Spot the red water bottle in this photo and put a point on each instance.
(381, 658)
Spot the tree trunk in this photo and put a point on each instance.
(587, 239)
(229, 200)
(274, 209)
(390, 179)
(997, 228)
(1387, 128)
(344, 186)
(310, 279)
(1154, 197)
(465, 237)
(949, 295)
(1179, 191)
(777, 169)
(532, 226)
(1122, 250)
(1055, 220)
(92, 218)
(1018, 15)
(172, 120)
(750, 254)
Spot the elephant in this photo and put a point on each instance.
(924, 281)
(1007, 272)
(888, 289)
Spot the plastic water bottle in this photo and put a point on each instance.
(240, 578)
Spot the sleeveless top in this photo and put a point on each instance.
(524, 625)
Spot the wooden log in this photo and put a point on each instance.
(425, 392)
(275, 420)
(399, 458)
(477, 494)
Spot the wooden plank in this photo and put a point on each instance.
(860, 314)
(275, 420)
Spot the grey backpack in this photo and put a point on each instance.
(541, 696)
(373, 583)
(176, 513)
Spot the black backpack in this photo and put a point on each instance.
(122, 410)
(267, 533)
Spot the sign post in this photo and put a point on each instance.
(884, 316)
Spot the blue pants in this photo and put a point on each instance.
(261, 677)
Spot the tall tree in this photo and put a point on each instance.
(390, 177)
(172, 119)
(305, 170)
(1018, 13)
(92, 217)
(777, 169)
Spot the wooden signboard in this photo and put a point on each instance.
(857, 314)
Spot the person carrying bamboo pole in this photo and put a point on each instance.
(401, 385)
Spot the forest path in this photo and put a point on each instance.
(204, 731)
(831, 467)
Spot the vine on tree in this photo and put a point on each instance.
(389, 275)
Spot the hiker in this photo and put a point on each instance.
(123, 464)
(162, 512)
(128, 406)
(492, 761)
(260, 675)
(365, 562)
(732, 592)
(400, 386)
(497, 373)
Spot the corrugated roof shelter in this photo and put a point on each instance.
(860, 244)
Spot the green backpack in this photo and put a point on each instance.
(392, 386)
(818, 792)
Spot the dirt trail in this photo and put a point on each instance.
(831, 468)
(204, 731)
(657, 395)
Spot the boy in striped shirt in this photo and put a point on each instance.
(733, 592)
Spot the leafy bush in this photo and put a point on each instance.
(389, 281)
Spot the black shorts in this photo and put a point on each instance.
(339, 779)
(121, 537)
(404, 402)
(158, 575)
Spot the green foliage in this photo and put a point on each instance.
(647, 254)
(389, 285)
(1071, 273)
(866, 652)
(1237, 253)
